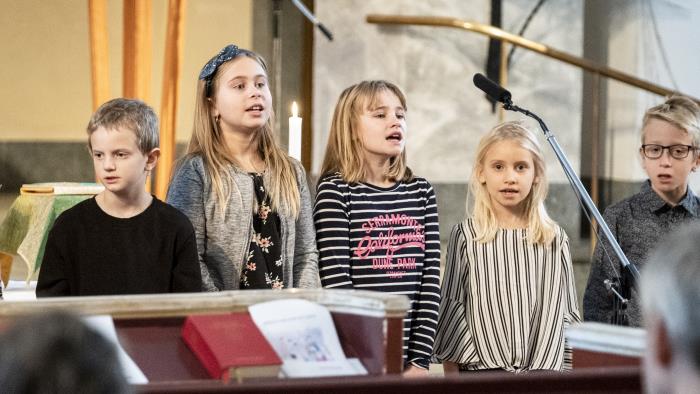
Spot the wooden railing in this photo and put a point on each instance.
(596, 69)
(522, 42)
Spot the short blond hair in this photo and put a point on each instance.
(130, 114)
(344, 149)
(679, 111)
(541, 228)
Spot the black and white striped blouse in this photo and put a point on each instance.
(384, 239)
(505, 303)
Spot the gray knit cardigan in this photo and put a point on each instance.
(223, 239)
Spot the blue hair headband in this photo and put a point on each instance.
(209, 69)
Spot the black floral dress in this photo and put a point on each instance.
(263, 268)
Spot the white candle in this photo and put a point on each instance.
(295, 133)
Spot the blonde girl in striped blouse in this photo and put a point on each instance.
(508, 290)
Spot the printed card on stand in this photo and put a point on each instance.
(304, 336)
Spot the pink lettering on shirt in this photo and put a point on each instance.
(381, 241)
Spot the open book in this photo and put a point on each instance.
(304, 337)
(61, 188)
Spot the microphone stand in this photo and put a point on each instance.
(312, 18)
(631, 274)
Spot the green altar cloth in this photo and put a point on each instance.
(24, 230)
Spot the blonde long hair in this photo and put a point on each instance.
(207, 140)
(541, 228)
(344, 152)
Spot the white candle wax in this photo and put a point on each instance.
(295, 133)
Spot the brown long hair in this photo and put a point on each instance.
(207, 140)
(344, 152)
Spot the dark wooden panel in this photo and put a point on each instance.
(156, 346)
(588, 359)
(362, 337)
(621, 380)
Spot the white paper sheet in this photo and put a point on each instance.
(303, 335)
(105, 326)
(19, 290)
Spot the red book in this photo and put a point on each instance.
(230, 346)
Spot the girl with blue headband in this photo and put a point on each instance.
(247, 199)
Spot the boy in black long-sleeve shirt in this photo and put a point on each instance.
(124, 240)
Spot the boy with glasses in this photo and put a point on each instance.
(669, 153)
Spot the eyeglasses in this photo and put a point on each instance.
(653, 151)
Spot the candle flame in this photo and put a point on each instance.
(295, 109)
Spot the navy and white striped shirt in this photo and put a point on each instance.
(506, 302)
(384, 239)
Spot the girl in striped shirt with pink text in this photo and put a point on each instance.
(376, 223)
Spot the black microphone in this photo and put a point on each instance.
(492, 89)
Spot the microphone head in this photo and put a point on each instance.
(492, 89)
